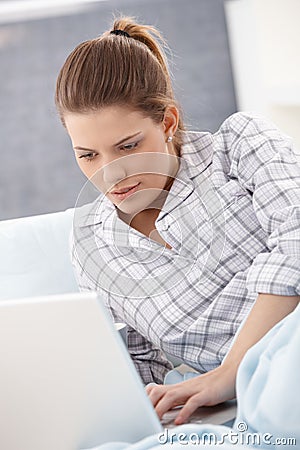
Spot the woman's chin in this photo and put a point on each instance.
(138, 202)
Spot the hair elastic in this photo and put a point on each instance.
(120, 33)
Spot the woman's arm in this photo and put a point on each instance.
(218, 385)
(262, 159)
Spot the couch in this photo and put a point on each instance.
(35, 257)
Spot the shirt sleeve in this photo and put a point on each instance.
(265, 163)
(149, 360)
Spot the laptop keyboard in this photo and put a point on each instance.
(169, 417)
(223, 414)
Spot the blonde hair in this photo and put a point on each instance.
(119, 70)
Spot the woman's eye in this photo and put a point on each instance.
(129, 147)
(87, 156)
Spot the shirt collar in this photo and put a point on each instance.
(196, 151)
(196, 156)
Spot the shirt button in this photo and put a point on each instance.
(164, 227)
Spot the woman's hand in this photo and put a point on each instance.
(208, 389)
(218, 385)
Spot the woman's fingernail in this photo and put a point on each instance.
(178, 421)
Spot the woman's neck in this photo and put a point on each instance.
(144, 222)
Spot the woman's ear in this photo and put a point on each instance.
(170, 121)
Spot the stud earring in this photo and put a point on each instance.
(170, 139)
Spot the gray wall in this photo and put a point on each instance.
(38, 173)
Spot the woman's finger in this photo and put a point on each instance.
(176, 396)
(149, 387)
(189, 408)
(155, 393)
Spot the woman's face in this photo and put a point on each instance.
(118, 148)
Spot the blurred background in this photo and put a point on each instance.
(227, 56)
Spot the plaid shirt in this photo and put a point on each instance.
(232, 218)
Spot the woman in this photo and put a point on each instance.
(192, 232)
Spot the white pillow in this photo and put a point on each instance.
(34, 256)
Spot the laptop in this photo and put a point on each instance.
(67, 381)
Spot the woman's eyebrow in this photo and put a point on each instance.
(85, 149)
(118, 143)
(126, 138)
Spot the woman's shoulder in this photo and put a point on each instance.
(245, 124)
(203, 147)
(238, 126)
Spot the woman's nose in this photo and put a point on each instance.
(113, 172)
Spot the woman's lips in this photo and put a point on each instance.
(122, 195)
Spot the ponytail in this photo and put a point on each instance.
(145, 34)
